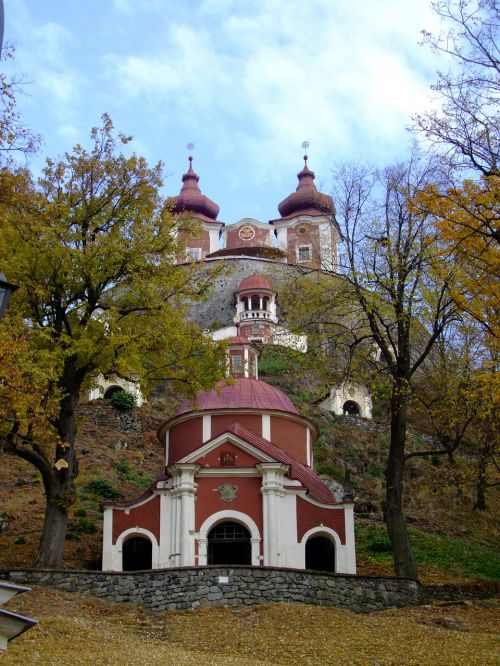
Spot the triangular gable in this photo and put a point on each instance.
(249, 440)
(227, 437)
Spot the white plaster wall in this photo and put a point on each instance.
(102, 384)
(354, 391)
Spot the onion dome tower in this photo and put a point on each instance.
(191, 201)
(307, 228)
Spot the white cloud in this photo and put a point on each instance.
(246, 82)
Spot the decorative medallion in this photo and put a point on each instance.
(302, 229)
(352, 392)
(228, 492)
(247, 232)
(227, 458)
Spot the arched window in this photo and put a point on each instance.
(229, 543)
(255, 303)
(245, 303)
(352, 408)
(137, 554)
(111, 390)
(320, 554)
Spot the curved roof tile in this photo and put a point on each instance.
(242, 393)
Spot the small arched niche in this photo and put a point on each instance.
(352, 408)
(137, 553)
(110, 391)
(320, 553)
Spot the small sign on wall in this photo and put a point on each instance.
(223, 579)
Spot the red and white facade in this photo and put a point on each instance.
(238, 488)
(306, 233)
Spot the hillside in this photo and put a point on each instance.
(120, 455)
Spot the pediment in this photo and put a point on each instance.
(211, 453)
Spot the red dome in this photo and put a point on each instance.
(241, 394)
(191, 199)
(306, 199)
(254, 282)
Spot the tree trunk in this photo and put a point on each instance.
(480, 504)
(404, 562)
(50, 550)
(59, 488)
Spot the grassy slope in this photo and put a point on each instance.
(452, 543)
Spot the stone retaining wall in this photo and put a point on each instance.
(178, 589)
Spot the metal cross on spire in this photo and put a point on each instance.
(305, 146)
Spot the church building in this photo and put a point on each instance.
(238, 488)
(239, 485)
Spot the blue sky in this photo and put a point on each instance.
(246, 81)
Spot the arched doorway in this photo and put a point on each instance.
(352, 408)
(320, 554)
(137, 553)
(111, 391)
(229, 543)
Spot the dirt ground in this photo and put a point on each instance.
(75, 629)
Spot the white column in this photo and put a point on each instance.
(266, 426)
(207, 427)
(245, 362)
(108, 549)
(350, 544)
(272, 308)
(184, 492)
(164, 560)
(273, 495)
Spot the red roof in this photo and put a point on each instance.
(306, 199)
(307, 477)
(254, 282)
(191, 200)
(242, 393)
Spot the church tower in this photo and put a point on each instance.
(307, 229)
(191, 201)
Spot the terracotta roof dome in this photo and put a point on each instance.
(306, 199)
(191, 200)
(254, 282)
(241, 394)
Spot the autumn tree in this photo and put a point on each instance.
(466, 218)
(93, 249)
(388, 308)
(466, 127)
(457, 402)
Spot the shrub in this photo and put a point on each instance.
(81, 513)
(123, 400)
(103, 489)
(85, 526)
(378, 542)
(330, 469)
(20, 541)
(374, 471)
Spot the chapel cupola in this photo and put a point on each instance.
(306, 199)
(191, 199)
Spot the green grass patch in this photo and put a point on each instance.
(450, 554)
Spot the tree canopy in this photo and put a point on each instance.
(93, 247)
